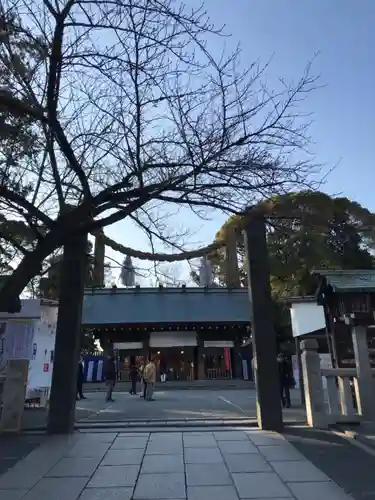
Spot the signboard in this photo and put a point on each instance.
(46, 367)
(307, 317)
(19, 336)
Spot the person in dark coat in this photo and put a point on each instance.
(110, 375)
(80, 379)
(133, 376)
(286, 379)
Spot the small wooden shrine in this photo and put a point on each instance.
(346, 294)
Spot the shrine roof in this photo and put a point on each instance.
(348, 280)
(165, 305)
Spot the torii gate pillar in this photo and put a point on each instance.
(269, 413)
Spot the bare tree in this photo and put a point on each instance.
(124, 109)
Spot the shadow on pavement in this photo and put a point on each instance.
(350, 467)
(15, 448)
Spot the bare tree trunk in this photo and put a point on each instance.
(65, 370)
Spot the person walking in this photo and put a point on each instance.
(133, 376)
(286, 378)
(110, 376)
(149, 376)
(80, 379)
(143, 383)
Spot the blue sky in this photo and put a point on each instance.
(293, 31)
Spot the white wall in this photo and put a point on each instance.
(173, 339)
(30, 309)
(44, 341)
(306, 317)
(218, 343)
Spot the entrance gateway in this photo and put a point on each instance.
(193, 333)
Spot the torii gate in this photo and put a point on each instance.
(63, 394)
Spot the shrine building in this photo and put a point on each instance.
(192, 333)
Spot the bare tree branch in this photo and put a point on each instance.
(112, 108)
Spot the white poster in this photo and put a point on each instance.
(19, 337)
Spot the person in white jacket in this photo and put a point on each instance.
(149, 377)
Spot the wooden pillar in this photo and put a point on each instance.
(201, 373)
(300, 373)
(365, 381)
(99, 254)
(269, 412)
(146, 346)
(68, 335)
(232, 277)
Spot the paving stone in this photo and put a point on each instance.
(129, 443)
(134, 434)
(230, 436)
(260, 485)
(197, 433)
(167, 448)
(203, 456)
(237, 447)
(26, 474)
(12, 494)
(260, 438)
(74, 467)
(153, 464)
(88, 449)
(282, 453)
(100, 437)
(199, 442)
(207, 475)
(251, 462)
(53, 488)
(298, 471)
(160, 486)
(212, 492)
(166, 436)
(114, 476)
(318, 491)
(107, 494)
(123, 457)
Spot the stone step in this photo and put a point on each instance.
(178, 385)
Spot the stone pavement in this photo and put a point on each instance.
(168, 405)
(222, 465)
(15, 448)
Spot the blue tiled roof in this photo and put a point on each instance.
(353, 280)
(166, 305)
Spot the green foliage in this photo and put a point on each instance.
(308, 230)
(49, 286)
(311, 230)
(13, 234)
(319, 232)
(20, 55)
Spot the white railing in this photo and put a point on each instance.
(343, 394)
(349, 394)
(343, 404)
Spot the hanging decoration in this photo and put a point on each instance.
(205, 272)
(127, 275)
